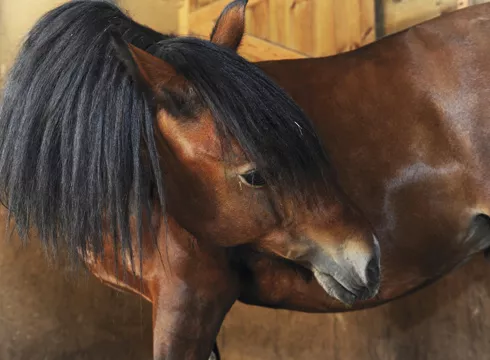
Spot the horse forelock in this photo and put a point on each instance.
(250, 108)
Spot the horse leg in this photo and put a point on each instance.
(187, 315)
(169, 340)
(192, 288)
(191, 285)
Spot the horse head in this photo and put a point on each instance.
(107, 129)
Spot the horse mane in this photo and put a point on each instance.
(77, 146)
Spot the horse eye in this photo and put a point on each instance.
(253, 178)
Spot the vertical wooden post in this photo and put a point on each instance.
(379, 18)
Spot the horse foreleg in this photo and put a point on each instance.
(188, 314)
(190, 284)
(191, 289)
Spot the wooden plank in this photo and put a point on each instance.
(287, 29)
(259, 18)
(302, 19)
(400, 15)
(201, 3)
(276, 17)
(463, 3)
(249, 22)
(367, 11)
(354, 23)
(183, 15)
(346, 22)
(324, 29)
(256, 49)
(342, 25)
(279, 20)
(193, 5)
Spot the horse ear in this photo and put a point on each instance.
(230, 25)
(154, 71)
(147, 69)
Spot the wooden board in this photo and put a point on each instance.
(401, 14)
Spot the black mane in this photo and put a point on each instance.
(77, 145)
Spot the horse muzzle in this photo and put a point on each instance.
(349, 276)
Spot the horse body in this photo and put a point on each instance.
(406, 122)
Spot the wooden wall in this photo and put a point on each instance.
(299, 28)
(400, 14)
(290, 28)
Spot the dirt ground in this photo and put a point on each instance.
(49, 313)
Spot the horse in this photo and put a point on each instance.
(406, 122)
(156, 159)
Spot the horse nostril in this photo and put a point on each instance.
(372, 271)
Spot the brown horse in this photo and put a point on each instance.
(407, 149)
(94, 127)
(406, 121)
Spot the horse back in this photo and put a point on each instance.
(418, 96)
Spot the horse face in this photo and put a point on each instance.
(223, 199)
(217, 194)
